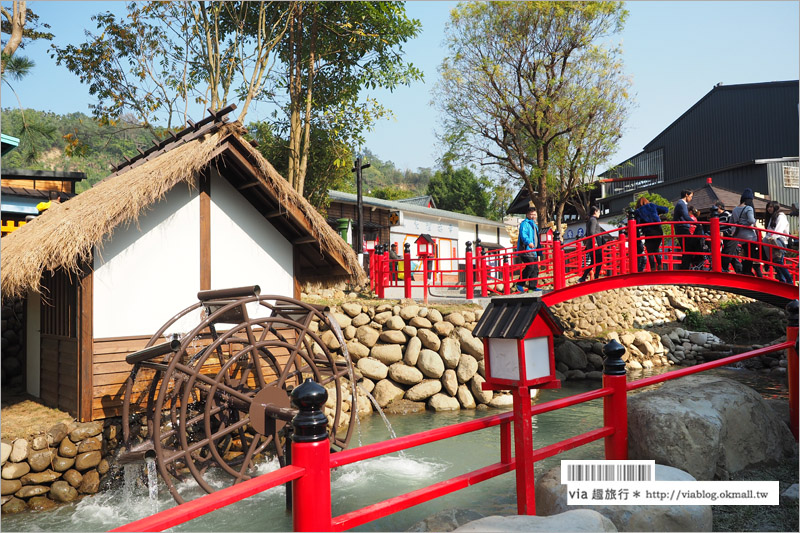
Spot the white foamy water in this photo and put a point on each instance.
(387, 467)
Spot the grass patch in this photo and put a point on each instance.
(739, 323)
(23, 415)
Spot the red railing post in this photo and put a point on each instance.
(407, 270)
(482, 269)
(387, 263)
(506, 276)
(792, 368)
(311, 493)
(470, 281)
(559, 268)
(380, 288)
(523, 451)
(633, 251)
(716, 244)
(425, 271)
(615, 406)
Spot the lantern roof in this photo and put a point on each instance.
(511, 318)
(425, 238)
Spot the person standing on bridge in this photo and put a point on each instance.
(730, 247)
(777, 222)
(594, 257)
(528, 244)
(647, 213)
(744, 215)
(683, 228)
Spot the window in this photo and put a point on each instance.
(790, 177)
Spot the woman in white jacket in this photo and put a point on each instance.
(777, 222)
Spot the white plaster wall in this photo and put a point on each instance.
(144, 274)
(486, 233)
(245, 248)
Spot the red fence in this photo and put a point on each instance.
(312, 463)
(621, 251)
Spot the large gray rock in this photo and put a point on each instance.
(446, 520)
(372, 368)
(360, 320)
(467, 367)
(481, 396)
(411, 354)
(571, 355)
(409, 311)
(708, 426)
(443, 329)
(424, 390)
(443, 402)
(465, 397)
(577, 520)
(450, 352)
(502, 401)
(551, 499)
(450, 381)
(407, 375)
(469, 344)
(393, 336)
(367, 336)
(456, 318)
(387, 353)
(429, 339)
(394, 323)
(343, 319)
(386, 392)
(352, 309)
(431, 364)
(434, 315)
(357, 350)
(329, 339)
(381, 318)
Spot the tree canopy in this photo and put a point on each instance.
(460, 191)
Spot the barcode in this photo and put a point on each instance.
(577, 471)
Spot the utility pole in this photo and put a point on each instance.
(359, 205)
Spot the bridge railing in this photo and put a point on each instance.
(629, 249)
(310, 471)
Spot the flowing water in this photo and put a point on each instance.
(371, 481)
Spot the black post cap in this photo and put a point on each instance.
(407, 248)
(792, 309)
(310, 423)
(613, 365)
(469, 246)
(556, 236)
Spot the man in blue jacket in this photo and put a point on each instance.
(528, 243)
(681, 214)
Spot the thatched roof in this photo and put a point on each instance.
(65, 235)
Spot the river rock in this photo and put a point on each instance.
(40, 478)
(446, 520)
(465, 397)
(19, 451)
(571, 355)
(393, 336)
(423, 390)
(577, 520)
(15, 470)
(386, 392)
(431, 364)
(62, 464)
(14, 505)
(349, 332)
(419, 322)
(469, 344)
(90, 482)
(29, 491)
(455, 318)
(443, 329)
(404, 407)
(352, 309)
(360, 320)
(595, 360)
(450, 381)
(387, 353)
(91, 444)
(551, 499)
(85, 430)
(411, 354)
(372, 368)
(87, 460)
(450, 352)
(407, 375)
(63, 492)
(73, 477)
(409, 311)
(443, 402)
(381, 318)
(104, 467)
(410, 331)
(67, 448)
(329, 339)
(41, 459)
(502, 401)
(5, 451)
(394, 323)
(429, 339)
(707, 426)
(367, 336)
(357, 350)
(434, 316)
(10, 486)
(39, 443)
(481, 396)
(467, 367)
(41, 503)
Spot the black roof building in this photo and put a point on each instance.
(739, 135)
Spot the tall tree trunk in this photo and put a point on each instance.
(16, 21)
(301, 173)
(295, 90)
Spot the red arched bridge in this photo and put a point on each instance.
(629, 256)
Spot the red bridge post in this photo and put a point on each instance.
(792, 367)
(615, 406)
(311, 493)
(716, 243)
(407, 274)
(379, 280)
(523, 451)
(633, 251)
(481, 268)
(559, 268)
(469, 279)
(506, 276)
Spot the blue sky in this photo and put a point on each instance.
(675, 53)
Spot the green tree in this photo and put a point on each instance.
(460, 191)
(392, 193)
(20, 24)
(508, 89)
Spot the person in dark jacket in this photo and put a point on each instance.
(683, 229)
(730, 248)
(594, 257)
(395, 257)
(744, 215)
(649, 213)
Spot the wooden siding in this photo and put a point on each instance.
(41, 185)
(378, 216)
(59, 373)
(59, 305)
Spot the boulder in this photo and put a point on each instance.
(404, 407)
(707, 426)
(62, 491)
(39, 460)
(91, 444)
(67, 448)
(62, 464)
(502, 401)
(450, 381)
(394, 323)
(386, 353)
(456, 318)
(465, 397)
(467, 367)
(344, 320)
(85, 461)
(73, 477)
(15, 470)
(577, 520)
(393, 336)
(40, 478)
(431, 364)
(410, 331)
(360, 320)
(90, 483)
(85, 430)
(14, 505)
(551, 499)
(409, 311)
(443, 402)
(423, 390)
(571, 355)
(352, 309)
(386, 392)
(381, 318)
(19, 451)
(357, 350)
(481, 396)
(434, 316)
(29, 491)
(329, 339)
(367, 336)
(407, 375)
(372, 368)
(450, 352)
(446, 520)
(469, 344)
(413, 348)
(39, 442)
(419, 322)
(469, 316)
(429, 339)
(443, 329)
(349, 332)
(10, 486)
(5, 451)
(41, 503)
(366, 384)
(595, 360)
